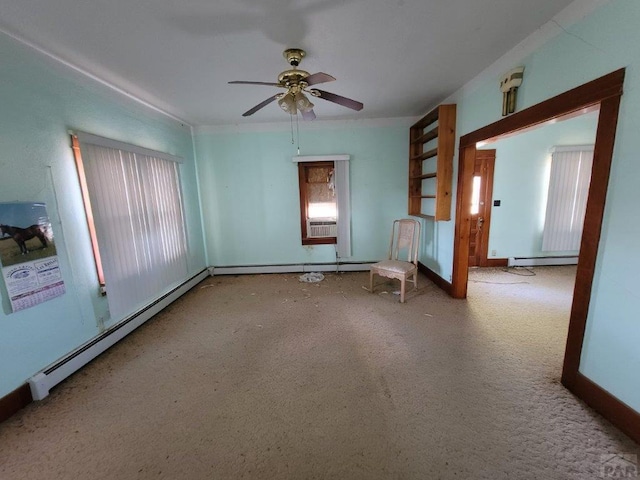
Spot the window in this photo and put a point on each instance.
(134, 211)
(325, 212)
(567, 199)
(475, 195)
(318, 206)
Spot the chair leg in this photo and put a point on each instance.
(402, 285)
(371, 282)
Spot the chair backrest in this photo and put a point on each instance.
(405, 237)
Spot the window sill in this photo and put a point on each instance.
(319, 241)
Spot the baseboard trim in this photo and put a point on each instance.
(15, 401)
(618, 413)
(435, 278)
(291, 268)
(43, 381)
(542, 261)
(496, 262)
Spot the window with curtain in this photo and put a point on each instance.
(135, 215)
(318, 203)
(336, 181)
(567, 200)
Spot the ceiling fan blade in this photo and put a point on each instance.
(340, 100)
(310, 115)
(319, 77)
(260, 105)
(242, 82)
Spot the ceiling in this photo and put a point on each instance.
(398, 57)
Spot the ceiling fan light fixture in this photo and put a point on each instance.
(295, 83)
(303, 103)
(288, 103)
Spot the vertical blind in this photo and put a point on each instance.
(567, 199)
(137, 208)
(343, 246)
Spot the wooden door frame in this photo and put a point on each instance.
(604, 92)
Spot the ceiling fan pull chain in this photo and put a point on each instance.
(291, 122)
(298, 134)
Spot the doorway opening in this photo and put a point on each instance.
(603, 93)
(533, 212)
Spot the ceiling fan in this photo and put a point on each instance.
(296, 83)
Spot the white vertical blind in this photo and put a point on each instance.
(137, 208)
(343, 200)
(567, 199)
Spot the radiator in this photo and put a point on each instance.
(291, 268)
(540, 261)
(45, 380)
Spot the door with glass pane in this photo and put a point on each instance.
(481, 207)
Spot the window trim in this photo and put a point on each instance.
(84, 137)
(304, 203)
(88, 210)
(341, 171)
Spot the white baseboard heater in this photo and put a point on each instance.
(540, 261)
(292, 268)
(45, 380)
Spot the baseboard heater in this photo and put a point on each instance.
(45, 380)
(540, 261)
(292, 268)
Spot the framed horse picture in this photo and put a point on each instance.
(28, 255)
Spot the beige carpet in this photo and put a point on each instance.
(265, 377)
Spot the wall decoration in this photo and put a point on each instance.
(509, 87)
(28, 255)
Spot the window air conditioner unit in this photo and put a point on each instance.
(322, 227)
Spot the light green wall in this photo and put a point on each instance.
(604, 41)
(246, 176)
(249, 189)
(521, 182)
(40, 101)
(250, 197)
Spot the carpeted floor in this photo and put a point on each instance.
(264, 377)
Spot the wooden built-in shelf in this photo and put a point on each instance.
(439, 128)
(426, 175)
(428, 154)
(426, 137)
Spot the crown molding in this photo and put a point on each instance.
(84, 73)
(306, 126)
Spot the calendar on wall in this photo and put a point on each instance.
(28, 255)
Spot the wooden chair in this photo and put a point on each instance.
(405, 237)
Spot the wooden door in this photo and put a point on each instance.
(481, 207)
